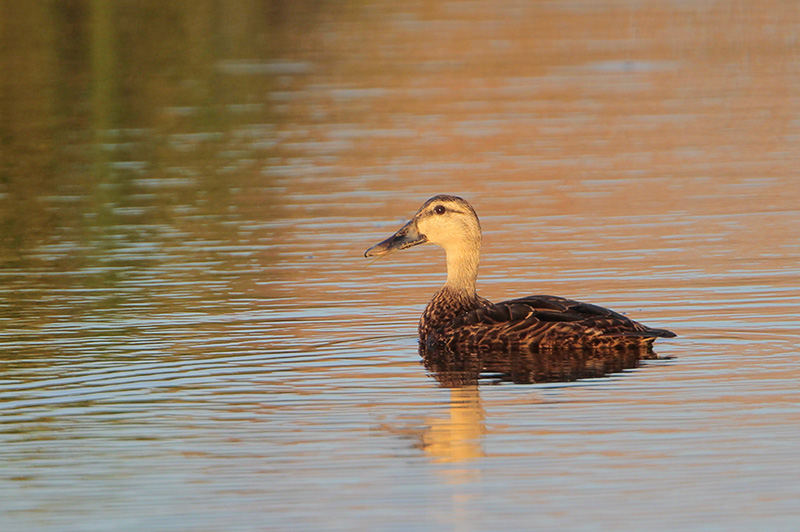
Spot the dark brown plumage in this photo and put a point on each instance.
(457, 319)
(529, 324)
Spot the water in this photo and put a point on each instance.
(190, 338)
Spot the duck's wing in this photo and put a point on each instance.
(548, 320)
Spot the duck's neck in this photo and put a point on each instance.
(458, 295)
(462, 268)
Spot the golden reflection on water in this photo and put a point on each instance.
(457, 438)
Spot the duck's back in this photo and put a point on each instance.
(533, 323)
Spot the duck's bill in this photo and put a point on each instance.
(406, 237)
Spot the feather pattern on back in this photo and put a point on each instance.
(528, 324)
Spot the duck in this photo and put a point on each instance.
(459, 320)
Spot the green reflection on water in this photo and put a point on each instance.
(106, 94)
(134, 140)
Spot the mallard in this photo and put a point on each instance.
(458, 319)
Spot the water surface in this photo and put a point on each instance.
(190, 338)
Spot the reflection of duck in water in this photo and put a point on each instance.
(457, 438)
(458, 320)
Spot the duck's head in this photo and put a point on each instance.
(447, 221)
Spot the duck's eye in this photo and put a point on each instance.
(439, 209)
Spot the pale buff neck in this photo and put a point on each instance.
(462, 266)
